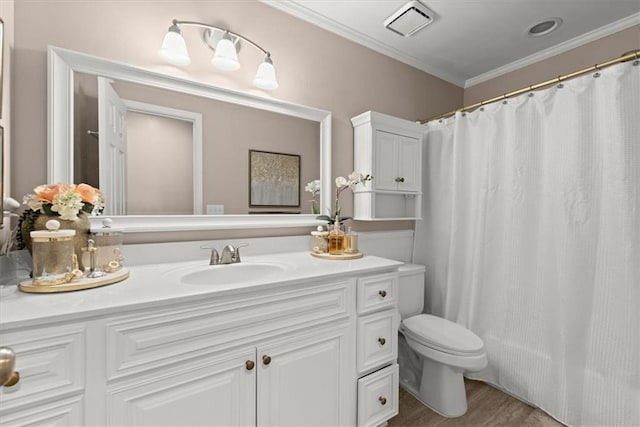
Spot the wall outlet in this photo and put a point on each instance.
(215, 209)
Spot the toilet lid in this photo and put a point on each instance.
(442, 334)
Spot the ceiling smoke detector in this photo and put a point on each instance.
(409, 19)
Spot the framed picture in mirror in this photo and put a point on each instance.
(274, 179)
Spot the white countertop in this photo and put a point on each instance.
(159, 284)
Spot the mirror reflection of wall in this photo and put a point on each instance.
(229, 131)
(159, 165)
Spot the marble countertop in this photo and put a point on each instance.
(160, 284)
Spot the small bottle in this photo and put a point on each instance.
(351, 242)
(336, 240)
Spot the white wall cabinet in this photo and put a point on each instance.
(274, 357)
(390, 150)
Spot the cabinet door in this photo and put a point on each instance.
(306, 382)
(217, 392)
(385, 158)
(409, 158)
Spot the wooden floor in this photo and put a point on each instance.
(487, 407)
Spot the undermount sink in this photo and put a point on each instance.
(231, 273)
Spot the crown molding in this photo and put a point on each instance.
(575, 42)
(299, 11)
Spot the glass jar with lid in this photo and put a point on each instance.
(54, 258)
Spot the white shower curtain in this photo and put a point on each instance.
(531, 238)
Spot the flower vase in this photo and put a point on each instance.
(82, 226)
(315, 209)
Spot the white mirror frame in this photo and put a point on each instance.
(62, 63)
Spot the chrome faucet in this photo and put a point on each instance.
(230, 255)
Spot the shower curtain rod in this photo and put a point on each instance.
(625, 57)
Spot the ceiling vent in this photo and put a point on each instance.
(409, 19)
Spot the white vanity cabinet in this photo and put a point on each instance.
(51, 363)
(390, 150)
(280, 358)
(291, 353)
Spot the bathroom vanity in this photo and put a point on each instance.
(283, 339)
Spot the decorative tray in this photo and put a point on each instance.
(354, 255)
(76, 285)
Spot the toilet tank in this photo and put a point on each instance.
(411, 290)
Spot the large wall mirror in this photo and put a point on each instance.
(180, 161)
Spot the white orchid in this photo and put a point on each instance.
(313, 187)
(342, 183)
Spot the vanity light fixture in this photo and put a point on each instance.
(224, 43)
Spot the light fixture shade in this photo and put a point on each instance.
(226, 57)
(174, 48)
(266, 76)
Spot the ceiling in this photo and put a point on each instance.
(470, 41)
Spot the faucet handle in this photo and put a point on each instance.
(215, 258)
(236, 251)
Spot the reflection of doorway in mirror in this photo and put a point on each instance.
(158, 145)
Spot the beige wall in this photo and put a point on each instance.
(581, 57)
(315, 68)
(6, 14)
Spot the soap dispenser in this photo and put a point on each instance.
(336, 240)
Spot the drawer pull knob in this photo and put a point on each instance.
(382, 341)
(266, 359)
(382, 293)
(8, 377)
(249, 364)
(383, 400)
(399, 179)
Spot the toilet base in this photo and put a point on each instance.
(442, 389)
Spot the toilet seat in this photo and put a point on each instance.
(442, 335)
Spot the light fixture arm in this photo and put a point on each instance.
(224, 30)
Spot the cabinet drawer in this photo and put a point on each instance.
(156, 338)
(377, 340)
(50, 362)
(378, 395)
(377, 292)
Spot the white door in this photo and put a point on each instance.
(384, 177)
(306, 382)
(409, 158)
(112, 126)
(216, 394)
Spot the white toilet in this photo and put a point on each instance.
(433, 353)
